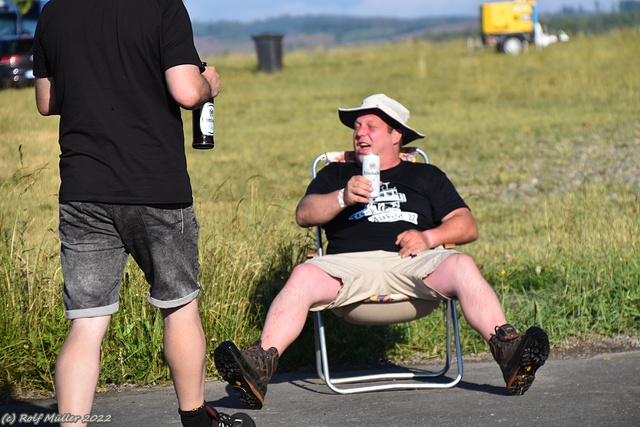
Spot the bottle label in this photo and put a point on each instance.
(371, 171)
(206, 119)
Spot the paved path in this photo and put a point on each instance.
(599, 391)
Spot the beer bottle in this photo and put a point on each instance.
(202, 125)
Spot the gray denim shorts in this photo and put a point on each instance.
(96, 240)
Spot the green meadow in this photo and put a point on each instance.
(544, 147)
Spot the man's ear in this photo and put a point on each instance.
(397, 136)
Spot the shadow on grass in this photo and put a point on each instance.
(6, 392)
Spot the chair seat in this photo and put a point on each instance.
(385, 313)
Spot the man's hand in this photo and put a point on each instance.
(213, 78)
(318, 209)
(358, 190)
(412, 242)
(458, 227)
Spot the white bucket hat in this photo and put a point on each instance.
(394, 113)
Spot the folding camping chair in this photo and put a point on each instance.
(386, 313)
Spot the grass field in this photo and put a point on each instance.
(544, 147)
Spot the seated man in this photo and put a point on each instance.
(383, 254)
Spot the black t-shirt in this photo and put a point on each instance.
(121, 135)
(412, 196)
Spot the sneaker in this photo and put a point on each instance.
(248, 371)
(519, 355)
(223, 420)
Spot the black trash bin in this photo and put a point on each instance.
(269, 49)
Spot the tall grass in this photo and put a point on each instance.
(545, 148)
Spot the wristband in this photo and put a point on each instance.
(341, 199)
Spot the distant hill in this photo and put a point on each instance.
(323, 31)
(302, 32)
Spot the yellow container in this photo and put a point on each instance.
(507, 17)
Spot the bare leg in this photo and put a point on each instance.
(459, 277)
(78, 366)
(307, 286)
(184, 350)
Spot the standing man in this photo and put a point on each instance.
(117, 73)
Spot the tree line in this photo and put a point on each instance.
(352, 29)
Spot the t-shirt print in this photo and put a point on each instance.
(387, 207)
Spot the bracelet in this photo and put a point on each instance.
(341, 199)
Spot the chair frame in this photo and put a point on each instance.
(386, 381)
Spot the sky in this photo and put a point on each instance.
(251, 10)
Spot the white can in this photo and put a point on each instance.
(371, 171)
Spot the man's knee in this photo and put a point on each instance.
(455, 271)
(305, 273)
(459, 264)
(310, 279)
(190, 309)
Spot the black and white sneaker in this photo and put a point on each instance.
(218, 419)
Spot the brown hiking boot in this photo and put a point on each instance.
(519, 355)
(248, 371)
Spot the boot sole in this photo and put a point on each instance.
(534, 355)
(232, 369)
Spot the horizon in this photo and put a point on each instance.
(255, 10)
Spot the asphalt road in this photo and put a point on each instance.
(599, 391)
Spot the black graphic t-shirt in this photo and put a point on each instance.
(412, 196)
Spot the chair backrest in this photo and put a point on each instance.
(368, 312)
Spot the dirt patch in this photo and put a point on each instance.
(581, 349)
(571, 349)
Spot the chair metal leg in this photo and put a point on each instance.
(322, 364)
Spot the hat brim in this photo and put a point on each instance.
(348, 118)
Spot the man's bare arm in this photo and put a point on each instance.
(189, 87)
(46, 97)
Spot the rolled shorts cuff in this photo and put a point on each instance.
(174, 303)
(106, 310)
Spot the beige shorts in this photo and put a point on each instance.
(381, 275)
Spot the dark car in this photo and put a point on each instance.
(16, 61)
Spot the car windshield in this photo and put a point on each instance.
(8, 24)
